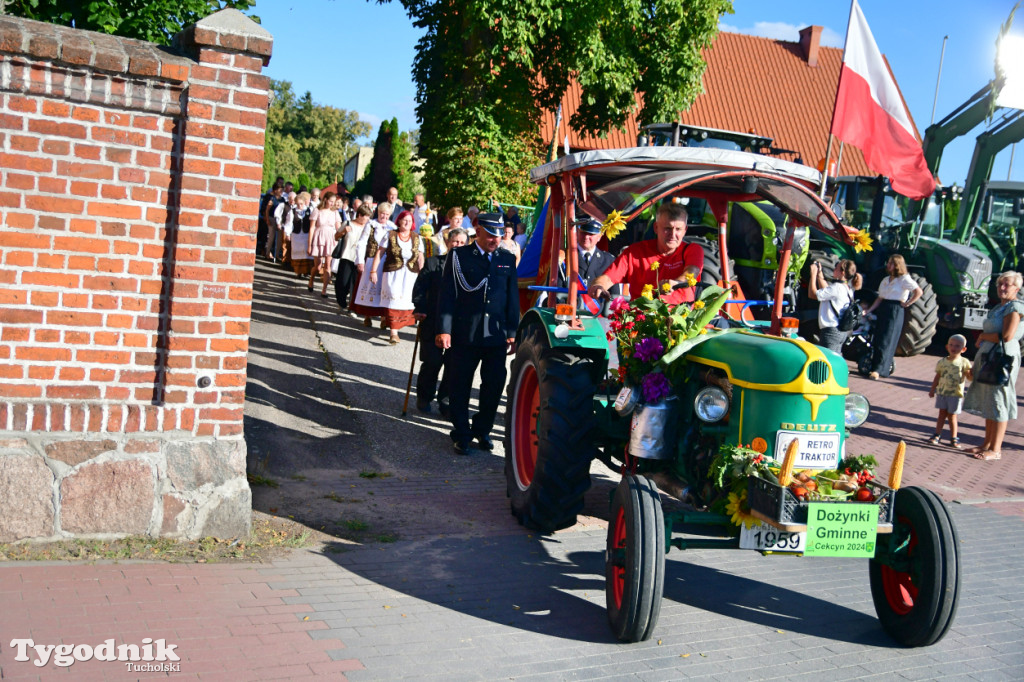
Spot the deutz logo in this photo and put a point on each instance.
(790, 426)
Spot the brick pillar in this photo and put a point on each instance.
(129, 187)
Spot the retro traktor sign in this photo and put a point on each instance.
(149, 656)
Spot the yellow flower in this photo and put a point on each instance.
(666, 287)
(655, 265)
(704, 331)
(647, 291)
(697, 305)
(691, 279)
(739, 511)
(613, 225)
(862, 241)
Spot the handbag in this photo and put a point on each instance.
(850, 318)
(336, 254)
(996, 367)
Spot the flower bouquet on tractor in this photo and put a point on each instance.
(716, 421)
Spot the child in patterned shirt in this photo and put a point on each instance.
(951, 373)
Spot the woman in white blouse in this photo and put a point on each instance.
(896, 292)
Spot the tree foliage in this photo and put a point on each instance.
(486, 70)
(306, 138)
(391, 165)
(156, 21)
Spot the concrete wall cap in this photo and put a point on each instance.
(234, 22)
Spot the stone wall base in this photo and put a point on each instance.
(54, 487)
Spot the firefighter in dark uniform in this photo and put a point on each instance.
(424, 297)
(478, 313)
(591, 260)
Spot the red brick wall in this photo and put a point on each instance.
(129, 190)
(129, 186)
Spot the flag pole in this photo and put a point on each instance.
(832, 121)
(824, 168)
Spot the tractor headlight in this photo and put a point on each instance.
(965, 280)
(857, 410)
(711, 404)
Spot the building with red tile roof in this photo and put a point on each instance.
(775, 88)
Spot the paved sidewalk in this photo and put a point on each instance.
(442, 583)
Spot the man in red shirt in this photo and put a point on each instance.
(657, 262)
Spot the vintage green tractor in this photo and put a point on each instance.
(744, 396)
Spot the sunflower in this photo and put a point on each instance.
(739, 510)
(613, 225)
(862, 241)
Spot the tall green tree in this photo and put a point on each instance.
(486, 70)
(308, 139)
(156, 21)
(391, 165)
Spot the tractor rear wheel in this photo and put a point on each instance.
(635, 559)
(919, 321)
(917, 589)
(549, 424)
(711, 274)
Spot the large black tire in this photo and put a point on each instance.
(919, 321)
(635, 559)
(828, 262)
(549, 424)
(916, 597)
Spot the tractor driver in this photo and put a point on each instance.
(663, 263)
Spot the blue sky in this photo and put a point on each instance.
(357, 55)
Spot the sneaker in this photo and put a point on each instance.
(461, 447)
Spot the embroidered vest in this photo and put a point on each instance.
(371, 243)
(393, 257)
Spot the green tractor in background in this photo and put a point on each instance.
(997, 228)
(954, 277)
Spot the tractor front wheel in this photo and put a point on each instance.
(549, 426)
(635, 559)
(916, 585)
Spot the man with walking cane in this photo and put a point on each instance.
(478, 313)
(424, 297)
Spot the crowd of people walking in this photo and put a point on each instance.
(389, 263)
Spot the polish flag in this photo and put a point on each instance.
(870, 114)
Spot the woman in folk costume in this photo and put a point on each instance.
(400, 255)
(367, 300)
(321, 241)
(301, 224)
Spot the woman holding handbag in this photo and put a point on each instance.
(834, 299)
(1002, 331)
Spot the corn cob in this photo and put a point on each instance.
(896, 472)
(786, 473)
